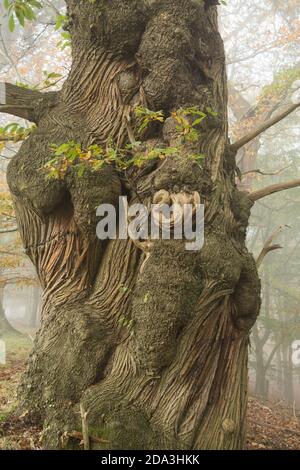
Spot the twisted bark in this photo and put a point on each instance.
(178, 377)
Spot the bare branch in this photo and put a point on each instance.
(273, 188)
(16, 275)
(85, 429)
(268, 246)
(265, 251)
(277, 172)
(8, 230)
(53, 8)
(5, 214)
(266, 125)
(18, 101)
(11, 253)
(78, 435)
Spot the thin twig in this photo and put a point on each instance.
(78, 435)
(85, 428)
(274, 173)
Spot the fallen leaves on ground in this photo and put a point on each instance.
(272, 425)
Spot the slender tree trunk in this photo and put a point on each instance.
(178, 378)
(260, 342)
(5, 326)
(260, 378)
(288, 374)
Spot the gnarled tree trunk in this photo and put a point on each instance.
(178, 379)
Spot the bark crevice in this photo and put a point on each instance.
(158, 356)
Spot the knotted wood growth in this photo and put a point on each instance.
(157, 355)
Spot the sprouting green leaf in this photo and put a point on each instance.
(66, 40)
(145, 117)
(211, 112)
(197, 158)
(28, 12)
(11, 23)
(21, 10)
(198, 120)
(124, 288)
(80, 170)
(20, 16)
(60, 21)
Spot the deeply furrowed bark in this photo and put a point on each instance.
(178, 378)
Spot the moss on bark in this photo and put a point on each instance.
(178, 377)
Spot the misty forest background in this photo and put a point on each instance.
(262, 42)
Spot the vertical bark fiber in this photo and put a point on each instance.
(177, 378)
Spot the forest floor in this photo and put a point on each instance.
(270, 426)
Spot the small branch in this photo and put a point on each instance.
(5, 214)
(130, 132)
(271, 122)
(11, 253)
(53, 8)
(16, 275)
(79, 436)
(265, 251)
(263, 173)
(8, 230)
(273, 188)
(268, 245)
(18, 101)
(85, 428)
